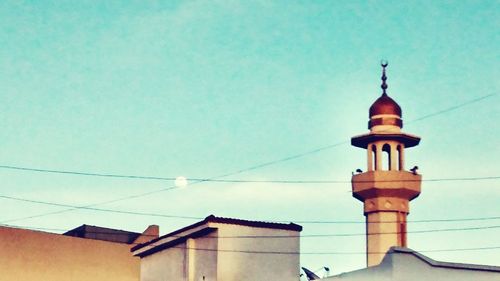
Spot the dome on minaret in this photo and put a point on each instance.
(385, 105)
(385, 111)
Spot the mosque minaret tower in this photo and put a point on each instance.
(386, 188)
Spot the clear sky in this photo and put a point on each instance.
(205, 88)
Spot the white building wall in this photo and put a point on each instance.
(224, 255)
(166, 265)
(238, 260)
(204, 267)
(406, 267)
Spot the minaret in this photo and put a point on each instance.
(386, 188)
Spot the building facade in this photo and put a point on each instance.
(223, 249)
(403, 264)
(28, 255)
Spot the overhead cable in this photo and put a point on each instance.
(323, 235)
(239, 180)
(200, 218)
(288, 158)
(333, 253)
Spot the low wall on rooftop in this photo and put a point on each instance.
(27, 255)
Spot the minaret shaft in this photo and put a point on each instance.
(383, 230)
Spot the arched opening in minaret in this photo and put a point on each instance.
(400, 158)
(386, 157)
(374, 157)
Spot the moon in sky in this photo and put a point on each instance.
(181, 181)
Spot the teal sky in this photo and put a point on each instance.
(204, 88)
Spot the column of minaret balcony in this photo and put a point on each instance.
(385, 190)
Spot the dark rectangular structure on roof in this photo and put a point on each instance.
(103, 233)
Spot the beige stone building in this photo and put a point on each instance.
(223, 249)
(83, 254)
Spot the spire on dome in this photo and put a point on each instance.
(384, 64)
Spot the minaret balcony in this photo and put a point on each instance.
(399, 184)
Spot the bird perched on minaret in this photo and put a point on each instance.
(414, 170)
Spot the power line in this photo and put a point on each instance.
(88, 207)
(223, 175)
(235, 180)
(455, 107)
(410, 221)
(76, 173)
(91, 206)
(32, 227)
(215, 179)
(292, 253)
(348, 181)
(328, 235)
(332, 253)
(398, 232)
(313, 151)
(73, 207)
